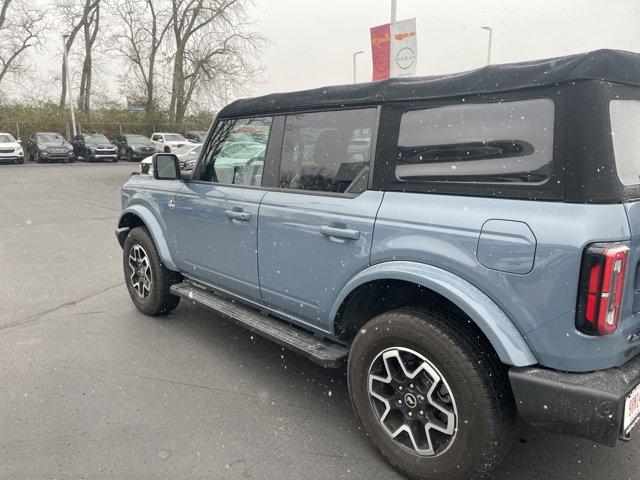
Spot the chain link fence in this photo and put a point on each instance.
(24, 129)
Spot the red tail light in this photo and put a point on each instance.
(600, 289)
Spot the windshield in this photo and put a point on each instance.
(173, 137)
(49, 137)
(6, 138)
(96, 138)
(138, 140)
(184, 149)
(625, 133)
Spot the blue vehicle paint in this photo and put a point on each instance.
(309, 246)
(148, 199)
(501, 332)
(210, 219)
(443, 231)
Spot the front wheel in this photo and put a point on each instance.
(147, 279)
(431, 394)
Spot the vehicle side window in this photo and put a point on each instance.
(477, 143)
(327, 151)
(236, 152)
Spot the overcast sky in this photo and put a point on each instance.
(313, 40)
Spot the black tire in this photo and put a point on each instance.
(159, 300)
(477, 381)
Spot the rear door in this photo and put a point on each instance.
(217, 212)
(315, 228)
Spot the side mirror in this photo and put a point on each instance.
(166, 166)
(18, 140)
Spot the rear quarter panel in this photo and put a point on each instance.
(443, 231)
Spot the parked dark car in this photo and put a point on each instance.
(49, 147)
(134, 147)
(195, 136)
(93, 147)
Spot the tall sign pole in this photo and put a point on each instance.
(490, 30)
(394, 8)
(69, 96)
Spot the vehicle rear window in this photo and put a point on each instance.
(478, 143)
(625, 133)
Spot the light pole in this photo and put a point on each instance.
(394, 7)
(69, 96)
(355, 54)
(490, 30)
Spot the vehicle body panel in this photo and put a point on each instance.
(148, 199)
(301, 268)
(499, 329)
(444, 230)
(213, 247)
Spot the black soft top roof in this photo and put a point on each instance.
(615, 66)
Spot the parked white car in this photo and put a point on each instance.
(10, 149)
(187, 156)
(167, 142)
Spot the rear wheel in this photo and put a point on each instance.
(431, 394)
(147, 279)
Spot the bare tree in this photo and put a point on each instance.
(90, 28)
(74, 15)
(213, 45)
(21, 27)
(145, 24)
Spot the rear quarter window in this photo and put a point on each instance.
(477, 143)
(625, 134)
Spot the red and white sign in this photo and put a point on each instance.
(380, 51)
(394, 49)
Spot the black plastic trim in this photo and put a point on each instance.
(584, 405)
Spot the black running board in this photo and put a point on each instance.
(322, 352)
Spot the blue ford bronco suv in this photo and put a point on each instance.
(469, 245)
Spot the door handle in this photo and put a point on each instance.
(238, 215)
(348, 233)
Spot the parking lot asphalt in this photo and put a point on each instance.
(91, 388)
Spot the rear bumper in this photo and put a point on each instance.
(585, 405)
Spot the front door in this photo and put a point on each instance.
(217, 211)
(315, 231)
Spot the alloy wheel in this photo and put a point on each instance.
(141, 276)
(412, 401)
